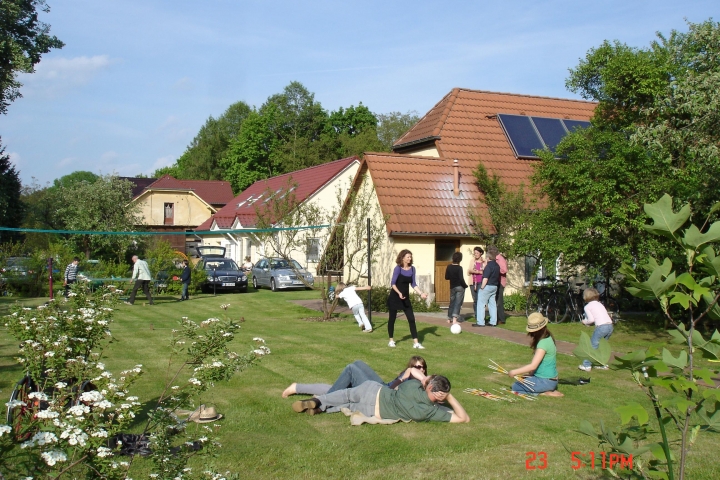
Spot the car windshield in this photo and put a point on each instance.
(281, 263)
(224, 264)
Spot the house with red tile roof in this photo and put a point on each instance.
(318, 185)
(171, 205)
(426, 187)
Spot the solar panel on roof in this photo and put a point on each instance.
(551, 130)
(522, 135)
(573, 124)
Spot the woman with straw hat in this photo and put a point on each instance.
(543, 379)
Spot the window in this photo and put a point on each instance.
(313, 250)
(169, 214)
(248, 248)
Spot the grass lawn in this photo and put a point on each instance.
(263, 438)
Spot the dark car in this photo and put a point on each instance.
(278, 273)
(222, 273)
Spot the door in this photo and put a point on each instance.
(444, 250)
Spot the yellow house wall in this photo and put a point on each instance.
(189, 210)
(424, 152)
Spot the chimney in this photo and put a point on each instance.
(456, 178)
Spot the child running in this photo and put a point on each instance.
(595, 313)
(355, 304)
(543, 368)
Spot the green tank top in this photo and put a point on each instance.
(548, 365)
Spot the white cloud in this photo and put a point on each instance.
(165, 161)
(15, 158)
(109, 157)
(66, 161)
(56, 75)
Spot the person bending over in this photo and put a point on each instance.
(417, 399)
(353, 375)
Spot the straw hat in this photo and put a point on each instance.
(204, 415)
(536, 321)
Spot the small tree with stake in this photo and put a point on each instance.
(682, 392)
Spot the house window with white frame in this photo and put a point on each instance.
(313, 250)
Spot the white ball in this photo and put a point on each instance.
(456, 328)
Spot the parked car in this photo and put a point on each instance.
(277, 273)
(222, 273)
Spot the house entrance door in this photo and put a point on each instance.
(444, 250)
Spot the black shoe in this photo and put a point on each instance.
(476, 325)
(303, 405)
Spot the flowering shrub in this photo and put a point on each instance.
(72, 407)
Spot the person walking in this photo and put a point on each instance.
(499, 295)
(71, 274)
(142, 277)
(486, 295)
(399, 299)
(185, 277)
(476, 274)
(454, 273)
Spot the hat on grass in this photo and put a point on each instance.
(204, 415)
(536, 321)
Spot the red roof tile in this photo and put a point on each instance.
(308, 180)
(214, 192)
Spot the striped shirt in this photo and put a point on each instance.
(71, 272)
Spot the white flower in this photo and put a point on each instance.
(39, 395)
(50, 354)
(100, 433)
(54, 456)
(258, 339)
(79, 410)
(5, 429)
(100, 366)
(44, 437)
(202, 439)
(92, 396)
(47, 414)
(16, 403)
(103, 452)
(74, 436)
(71, 294)
(60, 385)
(194, 381)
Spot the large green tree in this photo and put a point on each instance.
(392, 126)
(23, 40)
(11, 207)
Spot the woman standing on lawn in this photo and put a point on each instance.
(543, 379)
(454, 273)
(399, 299)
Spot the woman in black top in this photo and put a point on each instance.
(454, 273)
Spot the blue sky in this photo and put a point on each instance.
(137, 78)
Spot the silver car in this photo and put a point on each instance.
(277, 274)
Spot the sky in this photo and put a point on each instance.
(138, 78)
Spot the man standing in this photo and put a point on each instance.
(71, 274)
(502, 263)
(415, 399)
(141, 275)
(185, 279)
(476, 272)
(488, 289)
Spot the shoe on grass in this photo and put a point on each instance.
(418, 345)
(601, 367)
(391, 344)
(303, 405)
(367, 331)
(584, 368)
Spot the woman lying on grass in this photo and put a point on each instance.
(352, 376)
(543, 368)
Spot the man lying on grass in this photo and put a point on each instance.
(416, 399)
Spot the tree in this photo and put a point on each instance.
(393, 125)
(102, 206)
(74, 178)
(11, 207)
(23, 40)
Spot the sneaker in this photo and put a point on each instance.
(477, 325)
(391, 344)
(601, 367)
(127, 303)
(418, 346)
(584, 368)
(367, 331)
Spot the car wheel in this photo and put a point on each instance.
(255, 284)
(273, 287)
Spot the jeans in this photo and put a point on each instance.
(474, 289)
(486, 296)
(184, 294)
(353, 375)
(145, 284)
(359, 313)
(457, 295)
(539, 385)
(601, 331)
(359, 399)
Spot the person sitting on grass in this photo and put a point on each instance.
(596, 313)
(417, 399)
(354, 375)
(355, 304)
(543, 368)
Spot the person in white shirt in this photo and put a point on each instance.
(596, 313)
(348, 294)
(142, 277)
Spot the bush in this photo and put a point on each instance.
(515, 302)
(380, 296)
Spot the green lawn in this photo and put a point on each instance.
(263, 438)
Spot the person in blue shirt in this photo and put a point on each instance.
(185, 277)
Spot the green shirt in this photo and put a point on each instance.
(410, 402)
(548, 365)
